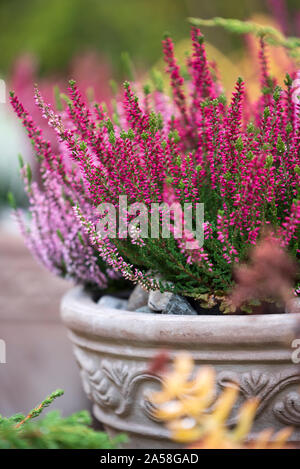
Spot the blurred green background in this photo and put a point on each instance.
(56, 30)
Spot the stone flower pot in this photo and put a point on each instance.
(113, 349)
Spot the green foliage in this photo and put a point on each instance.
(128, 68)
(11, 200)
(53, 431)
(271, 35)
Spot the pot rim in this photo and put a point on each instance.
(82, 315)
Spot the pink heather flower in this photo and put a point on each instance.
(53, 234)
(296, 97)
(56, 238)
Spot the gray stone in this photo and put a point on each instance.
(158, 301)
(145, 309)
(137, 299)
(108, 301)
(169, 303)
(180, 306)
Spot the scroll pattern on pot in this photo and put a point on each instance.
(288, 410)
(267, 386)
(113, 384)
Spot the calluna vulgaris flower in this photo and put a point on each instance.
(241, 161)
(56, 238)
(54, 235)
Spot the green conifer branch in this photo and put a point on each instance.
(270, 34)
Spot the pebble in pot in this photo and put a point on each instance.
(137, 299)
(169, 303)
(158, 301)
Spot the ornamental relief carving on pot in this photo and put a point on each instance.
(267, 387)
(288, 409)
(113, 384)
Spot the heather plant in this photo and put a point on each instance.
(52, 232)
(53, 431)
(55, 237)
(86, 68)
(241, 161)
